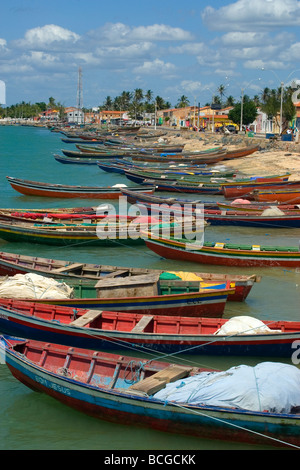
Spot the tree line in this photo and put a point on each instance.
(138, 102)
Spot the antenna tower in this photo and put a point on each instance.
(79, 89)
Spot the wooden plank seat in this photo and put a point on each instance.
(141, 325)
(70, 267)
(88, 317)
(158, 380)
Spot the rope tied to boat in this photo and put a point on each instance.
(136, 368)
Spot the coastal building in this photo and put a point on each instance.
(206, 117)
(74, 115)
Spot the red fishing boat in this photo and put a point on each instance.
(226, 254)
(35, 188)
(134, 391)
(105, 330)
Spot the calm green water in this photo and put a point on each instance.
(29, 420)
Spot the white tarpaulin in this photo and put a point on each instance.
(269, 386)
(33, 286)
(244, 325)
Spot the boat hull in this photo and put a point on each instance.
(15, 322)
(123, 406)
(32, 188)
(225, 257)
(11, 264)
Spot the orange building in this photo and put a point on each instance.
(191, 116)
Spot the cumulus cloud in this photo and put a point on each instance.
(191, 86)
(156, 66)
(160, 32)
(116, 33)
(125, 51)
(46, 36)
(257, 14)
(192, 48)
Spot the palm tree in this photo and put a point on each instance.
(183, 102)
(221, 90)
(108, 103)
(229, 101)
(148, 96)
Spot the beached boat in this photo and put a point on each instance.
(209, 158)
(175, 185)
(226, 254)
(248, 189)
(132, 391)
(35, 188)
(104, 330)
(202, 184)
(188, 170)
(143, 294)
(254, 206)
(71, 271)
(277, 195)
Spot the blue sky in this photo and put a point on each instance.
(171, 47)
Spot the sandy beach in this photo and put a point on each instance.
(274, 157)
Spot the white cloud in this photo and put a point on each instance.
(160, 32)
(191, 86)
(117, 33)
(46, 36)
(128, 51)
(189, 48)
(243, 39)
(253, 15)
(156, 66)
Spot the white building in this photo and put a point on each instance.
(74, 116)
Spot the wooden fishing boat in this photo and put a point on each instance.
(175, 185)
(71, 271)
(108, 233)
(142, 150)
(201, 184)
(223, 217)
(155, 148)
(75, 160)
(252, 219)
(100, 216)
(97, 155)
(140, 174)
(226, 254)
(277, 195)
(145, 294)
(104, 330)
(209, 172)
(125, 390)
(165, 201)
(258, 207)
(210, 158)
(231, 191)
(35, 188)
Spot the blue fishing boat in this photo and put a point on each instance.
(138, 392)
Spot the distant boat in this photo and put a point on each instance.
(36, 188)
